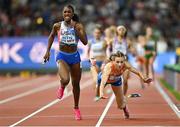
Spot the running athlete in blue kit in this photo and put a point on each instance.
(69, 31)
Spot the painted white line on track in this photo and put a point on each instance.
(86, 84)
(9, 80)
(105, 110)
(113, 116)
(44, 87)
(23, 84)
(34, 113)
(167, 98)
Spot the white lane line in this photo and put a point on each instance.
(23, 84)
(167, 99)
(86, 84)
(9, 80)
(105, 110)
(34, 113)
(44, 87)
(165, 115)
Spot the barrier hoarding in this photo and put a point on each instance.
(27, 53)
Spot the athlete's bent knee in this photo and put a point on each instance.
(65, 81)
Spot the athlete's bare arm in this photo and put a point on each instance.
(105, 44)
(105, 76)
(131, 47)
(81, 33)
(51, 37)
(139, 74)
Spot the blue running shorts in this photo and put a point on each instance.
(117, 83)
(69, 58)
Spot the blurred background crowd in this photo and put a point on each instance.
(36, 17)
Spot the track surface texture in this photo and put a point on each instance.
(33, 102)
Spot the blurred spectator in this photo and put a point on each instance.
(161, 45)
(35, 17)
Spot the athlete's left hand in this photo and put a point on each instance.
(148, 80)
(78, 27)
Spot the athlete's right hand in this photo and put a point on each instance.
(46, 56)
(93, 61)
(103, 97)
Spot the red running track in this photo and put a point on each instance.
(34, 103)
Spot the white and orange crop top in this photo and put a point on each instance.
(67, 35)
(116, 73)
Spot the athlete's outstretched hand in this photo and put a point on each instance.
(148, 80)
(103, 97)
(46, 57)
